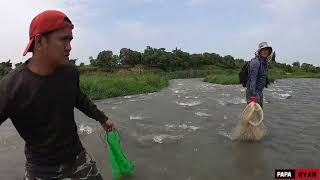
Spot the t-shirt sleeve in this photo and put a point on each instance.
(4, 103)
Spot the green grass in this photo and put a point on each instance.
(233, 78)
(110, 85)
(102, 85)
(294, 75)
(99, 84)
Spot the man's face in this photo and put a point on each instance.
(264, 53)
(58, 46)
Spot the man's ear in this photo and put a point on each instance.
(38, 41)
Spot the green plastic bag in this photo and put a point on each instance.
(121, 166)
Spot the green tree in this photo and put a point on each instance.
(154, 57)
(7, 64)
(239, 62)
(180, 59)
(228, 62)
(296, 64)
(105, 60)
(308, 67)
(18, 64)
(73, 61)
(5, 67)
(130, 57)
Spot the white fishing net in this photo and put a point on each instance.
(250, 127)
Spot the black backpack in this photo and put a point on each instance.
(243, 75)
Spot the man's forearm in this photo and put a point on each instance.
(85, 105)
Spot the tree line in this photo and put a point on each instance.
(177, 59)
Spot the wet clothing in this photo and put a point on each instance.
(42, 110)
(259, 97)
(257, 79)
(81, 168)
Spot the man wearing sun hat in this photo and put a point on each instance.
(40, 96)
(258, 74)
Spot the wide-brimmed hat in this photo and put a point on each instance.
(263, 45)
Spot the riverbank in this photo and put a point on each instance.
(107, 85)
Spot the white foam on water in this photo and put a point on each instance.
(226, 95)
(222, 131)
(194, 128)
(235, 100)
(242, 90)
(117, 103)
(132, 117)
(114, 107)
(192, 103)
(238, 100)
(180, 84)
(170, 126)
(221, 102)
(226, 134)
(270, 90)
(165, 138)
(190, 97)
(207, 87)
(203, 109)
(201, 114)
(177, 91)
(281, 95)
(186, 127)
(127, 97)
(182, 126)
(225, 117)
(85, 129)
(285, 95)
(280, 90)
(265, 100)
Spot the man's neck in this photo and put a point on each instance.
(262, 59)
(39, 66)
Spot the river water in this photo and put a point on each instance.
(184, 132)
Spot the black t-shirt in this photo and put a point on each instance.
(42, 110)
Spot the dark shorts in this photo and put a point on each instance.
(80, 169)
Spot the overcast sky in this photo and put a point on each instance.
(225, 27)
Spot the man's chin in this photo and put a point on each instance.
(64, 61)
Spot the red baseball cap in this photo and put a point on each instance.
(45, 22)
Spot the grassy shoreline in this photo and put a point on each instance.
(102, 85)
(229, 79)
(106, 85)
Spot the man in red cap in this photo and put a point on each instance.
(40, 96)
